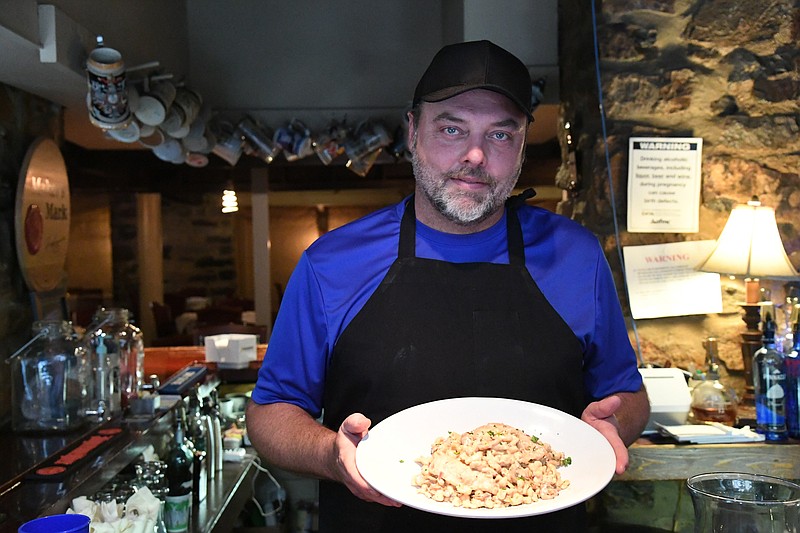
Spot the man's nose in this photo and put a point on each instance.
(475, 153)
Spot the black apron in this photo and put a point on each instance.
(435, 330)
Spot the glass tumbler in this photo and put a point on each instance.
(744, 503)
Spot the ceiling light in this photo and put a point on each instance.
(230, 204)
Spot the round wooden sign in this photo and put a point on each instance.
(42, 216)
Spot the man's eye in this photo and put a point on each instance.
(451, 130)
(501, 136)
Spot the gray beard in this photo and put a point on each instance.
(462, 208)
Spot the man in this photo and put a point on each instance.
(454, 292)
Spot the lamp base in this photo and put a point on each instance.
(751, 342)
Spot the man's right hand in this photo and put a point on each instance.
(353, 429)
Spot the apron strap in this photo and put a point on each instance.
(408, 231)
(516, 245)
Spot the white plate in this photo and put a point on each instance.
(386, 456)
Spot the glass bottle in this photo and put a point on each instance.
(179, 460)
(116, 349)
(769, 381)
(50, 380)
(712, 401)
(180, 479)
(793, 384)
(790, 310)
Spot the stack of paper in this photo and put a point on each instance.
(710, 433)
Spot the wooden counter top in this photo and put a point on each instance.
(657, 461)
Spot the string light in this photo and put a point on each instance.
(230, 204)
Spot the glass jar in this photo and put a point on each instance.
(116, 350)
(50, 380)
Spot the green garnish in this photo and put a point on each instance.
(566, 461)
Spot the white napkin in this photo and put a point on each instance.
(149, 453)
(109, 512)
(122, 525)
(85, 506)
(142, 506)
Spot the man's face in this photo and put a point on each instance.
(467, 154)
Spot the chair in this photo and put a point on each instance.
(82, 305)
(204, 331)
(218, 316)
(165, 322)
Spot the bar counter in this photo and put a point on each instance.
(25, 494)
(660, 461)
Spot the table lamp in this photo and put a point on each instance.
(750, 246)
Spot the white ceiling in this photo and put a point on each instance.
(272, 59)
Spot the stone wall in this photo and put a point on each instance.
(726, 71)
(198, 247)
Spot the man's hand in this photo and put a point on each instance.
(600, 415)
(350, 433)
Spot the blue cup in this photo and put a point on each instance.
(57, 523)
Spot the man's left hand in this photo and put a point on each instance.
(600, 415)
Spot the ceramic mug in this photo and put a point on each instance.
(128, 134)
(195, 139)
(154, 104)
(170, 151)
(152, 139)
(173, 123)
(107, 98)
(190, 102)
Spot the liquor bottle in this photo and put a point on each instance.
(793, 384)
(769, 382)
(179, 460)
(712, 401)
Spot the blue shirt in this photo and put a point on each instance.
(338, 273)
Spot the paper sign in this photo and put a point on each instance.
(662, 280)
(664, 184)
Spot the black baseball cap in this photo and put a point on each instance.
(461, 67)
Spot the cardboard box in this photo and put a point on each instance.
(231, 350)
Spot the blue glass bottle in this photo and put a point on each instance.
(769, 382)
(793, 385)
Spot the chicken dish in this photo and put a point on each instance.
(494, 465)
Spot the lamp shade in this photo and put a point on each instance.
(750, 245)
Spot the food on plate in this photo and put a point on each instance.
(494, 465)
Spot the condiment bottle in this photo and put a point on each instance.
(713, 401)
